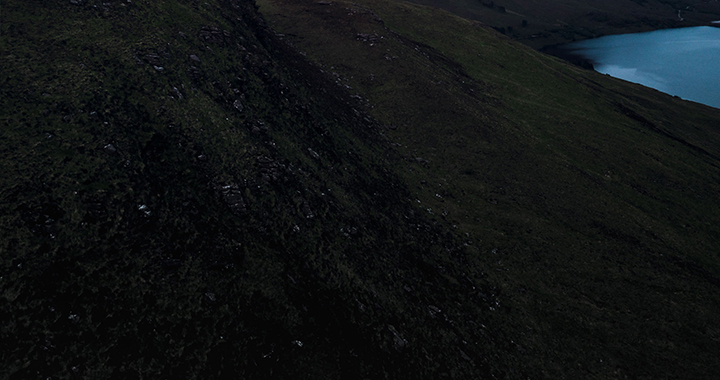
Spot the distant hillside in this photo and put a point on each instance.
(545, 23)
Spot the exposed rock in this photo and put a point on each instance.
(261, 124)
(399, 342)
(145, 210)
(194, 58)
(272, 170)
(238, 105)
(349, 231)
(265, 161)
(232, 196)
(177, 93)
(314, 154)
(110, 148)
(367, 37)
(213, 34)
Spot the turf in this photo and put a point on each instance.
(347, 190)
(573, 188)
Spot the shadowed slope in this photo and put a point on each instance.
(550, 22)
(590, 200)
(184, 196)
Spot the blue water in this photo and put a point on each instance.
(683, 62)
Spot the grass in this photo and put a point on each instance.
(435, 202)
(579, 183)
(125, 256)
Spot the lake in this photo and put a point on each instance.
(683, 62)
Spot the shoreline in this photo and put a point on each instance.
(607, 60)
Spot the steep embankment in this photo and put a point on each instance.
(592, 202)
(185, 196)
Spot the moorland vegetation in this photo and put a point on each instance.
(334, 190)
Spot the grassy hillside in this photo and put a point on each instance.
(184, 196)
(544, 23)
(368, 190)
(590, 201)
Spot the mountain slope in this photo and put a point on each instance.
(409, 195)
(591, 201)
(183, 195)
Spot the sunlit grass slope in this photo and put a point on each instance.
(592, 201)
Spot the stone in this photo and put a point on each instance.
(145, 210)
(399, 342)
(232, 196)
(434, 310)
(238, 105)
(213, 34)
(367, 37)
(314, 154)
(177, 93)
